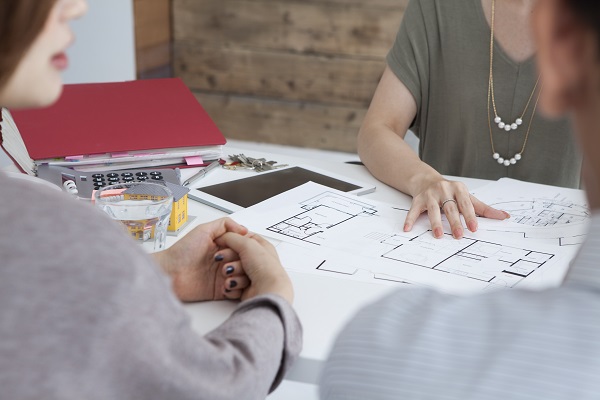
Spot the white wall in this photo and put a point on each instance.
(104, 49)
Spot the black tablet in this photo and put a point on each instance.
(245, 192)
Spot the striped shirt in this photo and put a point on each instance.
(514, 344)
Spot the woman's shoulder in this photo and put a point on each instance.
(39, 216)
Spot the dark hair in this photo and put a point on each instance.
(21, 21)
(588, 11)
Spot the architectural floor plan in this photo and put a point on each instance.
(546, 212)
(364, 238)
(538, 211)
(320, 213)
(471, 258)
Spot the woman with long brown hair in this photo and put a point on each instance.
(84, 312)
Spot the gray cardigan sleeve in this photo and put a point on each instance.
(249, 311)
(245, 357)
(87, 314)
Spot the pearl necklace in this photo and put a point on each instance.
(507, 126)
(519, 121)
(506, 161)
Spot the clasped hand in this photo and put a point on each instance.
(222, 260)
(453, 199)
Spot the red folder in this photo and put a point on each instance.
(117, 117)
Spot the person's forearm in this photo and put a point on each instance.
(161, 259)
(257, 345)
(391, 160)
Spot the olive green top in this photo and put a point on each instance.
(442, 55)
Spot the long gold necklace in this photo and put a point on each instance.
(507, 161)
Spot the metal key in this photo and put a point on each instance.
(256, 164)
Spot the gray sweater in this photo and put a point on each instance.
(85, 313)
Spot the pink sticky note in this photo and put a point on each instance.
(195, 160)
(107, 193)
(74, 158)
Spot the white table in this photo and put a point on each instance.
(323, 304)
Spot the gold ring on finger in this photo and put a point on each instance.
(446, 201)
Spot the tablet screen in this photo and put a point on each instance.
(249, 191)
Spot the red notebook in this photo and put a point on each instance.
(117, 120)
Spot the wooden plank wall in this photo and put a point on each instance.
(153, 41)
(295, 72)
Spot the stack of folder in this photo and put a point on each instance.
(121, 125)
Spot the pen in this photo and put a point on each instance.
(202, 173)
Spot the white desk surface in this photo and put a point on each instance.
(323, 304)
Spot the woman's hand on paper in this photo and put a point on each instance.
(453, 199)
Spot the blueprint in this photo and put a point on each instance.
(329, 232)
(547, 213)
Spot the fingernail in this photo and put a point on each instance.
(218, 257)
(457, 233)
(406, 227)
(473, 226)
(437, 232)
(232, 284)
(507, 214)
(229, 270)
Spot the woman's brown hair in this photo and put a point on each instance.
(21, 21)
(588, 11)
